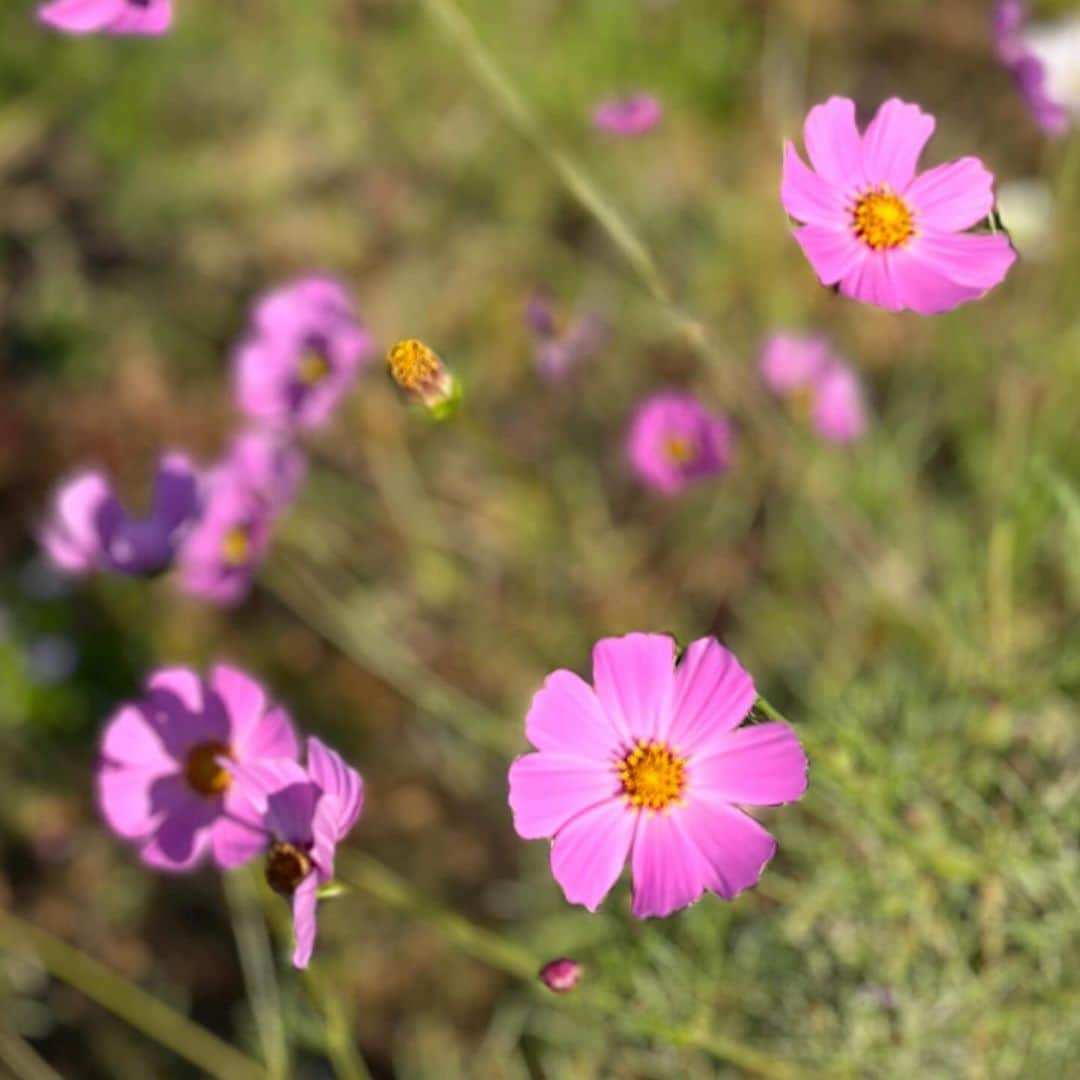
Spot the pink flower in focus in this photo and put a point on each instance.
(880, 233)
(650, 764)
(628, 116)
(305, 813)
(304, 349)
(804, 369)
(272, 466)
(139, 17)
(675, 441)
(89, 530)
(162, 780)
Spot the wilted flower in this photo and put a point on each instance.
(675, 441)
(880, 233)
(305, 814)
(628, 116)
(90, 530)
(143, 17)
(423, 376)
(162, 779)
(303, 351)
(559, 351)
(561, 975)
(1044, 61)
(651, 765)
(804, 369)
(272, 465)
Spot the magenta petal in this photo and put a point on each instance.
(976, 261)
(873, 280)
(175, 490)
(833, 253)
(833, 143)
(304, 902)
(338, 781)
(806, 197)
(925, 289)
(129, 739)
(235, 842)
(547, 790)
(734, 847)
(183, 838)
(669, 871)
(893, 143)
(244, 700)
(633, 676)
(713, 694)
(761, 765)
(952, 197)
(566, 718)
(124, 799)
(589, 852)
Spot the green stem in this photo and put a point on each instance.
(21, 1059)
(128, 1001)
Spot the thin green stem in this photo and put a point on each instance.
(127, 1001)
(21, 1059)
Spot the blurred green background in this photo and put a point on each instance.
(911, 603)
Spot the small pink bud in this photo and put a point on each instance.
(561, 975)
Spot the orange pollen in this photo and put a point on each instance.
(236, 547)
(313, 368)
(413, 365)
(652, 775)
(882, 220)
(679, 451)
(202, 771)
(286, 866)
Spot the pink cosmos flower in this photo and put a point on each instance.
(628, 116)
(162, 780)
(880, 233)
(141, 17)
(675, 441)
(272, 466)
(305, 814)
(89, 530)
(1044, 61)
(302, 354)
(804, 369)
(650, 764)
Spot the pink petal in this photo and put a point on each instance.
(713, 694)
(129, 739)
(833, 143)
(124, 801)
(79, 16)
(954, 196)
(244, 700)
(806, 197)
(669, 871)
(181, 685)
(633, 676)
(566, 718)
(175, 490)
(734, 847)
(290, 811)
(183, 838)
(304, 902)
(893, 143)
(547, 790)
(873, 280)
(976, 261)
(590, 851)
(325, 834)
(833, 253)
(761, 765)
(925, 289)
(337, 780)
(274, 737)
(234, 842)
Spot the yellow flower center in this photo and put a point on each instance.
(413, 365)
(652, 776)
(236, 547)
(679, 451)
(202, 771)
(286, 866)
(882, 220)
(313, 368)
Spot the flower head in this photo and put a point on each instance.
(303, 351)
(1044, 61)
(419, 371)
(305, 814)
(628, 116)
(271, 465)
(138, 17)
(90, 530)
(875, 229)
(163, 777)
(650, 764)
(675, 441)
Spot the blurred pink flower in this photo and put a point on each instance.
(162, 780)
(141, 17)
(90, 530)
(561, 976)
(272, 465)
(651, 765)
(628, 116)
(303, 351)
(674, 441)
(880, 233)
(305, 814)
(1045, 62)
(804, 369)
(558, 351)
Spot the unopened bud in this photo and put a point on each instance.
(423, 376)
(561, 975)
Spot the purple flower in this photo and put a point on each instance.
(141, 17)
(675, 441)
(272, 466)
(302, 353)
(305, 814)
(629, 116)
(162, 780)
(220, 555)
(1045, 63)
(90, 530)
(557, 353)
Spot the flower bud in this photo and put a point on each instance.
(421, 374)
(561, 975)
